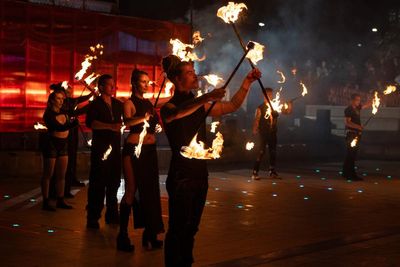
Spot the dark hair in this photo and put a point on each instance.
(52, 97)
(269, 90)
(353, 96)
(57, 86)
(172, 65)
(103, 78)
(135, 77)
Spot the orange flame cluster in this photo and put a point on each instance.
(354, 142)
(304, 91)
(89, 58)
(39, 126)
(197, 150)
(389, 89)
(138, 147)
(283, 78)
(214, 126)
(230, 13)
(256, 54)
(276, 105)
(376, 101)
(107, 153)
(249, 146)
(213, 79)
(184, 51)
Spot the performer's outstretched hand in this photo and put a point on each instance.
(253, 75)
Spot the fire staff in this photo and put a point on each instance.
(141, 170)
(187, 181)
(104, 117)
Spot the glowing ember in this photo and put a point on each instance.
(123, 129)
(138, 148)
(214, 125)
(230, 13)
(184, 51)
(256, 54)
(249, 145)
(283, 78)
(199, 93)
(158, 128)
(90, 79)
(196, 149)
(213, 79)
(304, 91)
(375, 103)
(389, 89)
(354, 142)
(39, 126)
(107, 153)
(64, 85)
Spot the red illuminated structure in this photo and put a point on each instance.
(41, 44)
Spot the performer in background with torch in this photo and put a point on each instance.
(354, 128)
(140, 173)
(187, 181)
(266, 127)
(104, 117)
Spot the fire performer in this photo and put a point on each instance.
(266, 127)
(354, 128)
(55, 148)
(104, 117)
(187, 180)
(140, 173)
(70, 107)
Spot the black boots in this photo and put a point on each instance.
(46, 205)
(150, 241)
(123, 242)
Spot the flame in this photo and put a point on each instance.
(158, 128)
(354, 142)
(87, 62)
(123, 127)
(213, 79)
(375, 103)
(96, 89)
(168, 87)
(230, 13)
(89, 79)
(214, 125)
(249, 145)
(305, 91)
(65, 85)
(184, 51)
(276, 104)
(196, 148)
(138, 148)
(285, 106)
(107, 153)
(199, 93)
(256, 54)
(39, 126)
(389, 89)
(89, 142)
(283, 78)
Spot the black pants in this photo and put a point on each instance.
(104, 180)
(351, 155)
(266, 138)
(187, 198)
(147, 203)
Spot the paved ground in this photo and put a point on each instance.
(310, 218)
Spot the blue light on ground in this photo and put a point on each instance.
(15, 225)
(349, 181)
(298, 176)
(239, 206)
(317, 170)
(389, 177)
(50, 231)
(216, 189)
(273, 183)
(340, 172)
(6, 196)
(323, 178)
(364, 174)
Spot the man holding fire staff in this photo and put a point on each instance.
(187, 181)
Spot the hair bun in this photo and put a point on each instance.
(57, 87)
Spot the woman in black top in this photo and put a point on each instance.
(140, 173)
(55, 148)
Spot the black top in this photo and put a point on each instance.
(354, 115)
(267, 125)
(142, 107)
(49, 118)
(179, 133)
(100, 111)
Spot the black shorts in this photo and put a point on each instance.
(128, 150)
(54, 147)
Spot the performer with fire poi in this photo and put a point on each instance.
(140, 168)
(104, 117)
(266, 127)
(187, 180)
